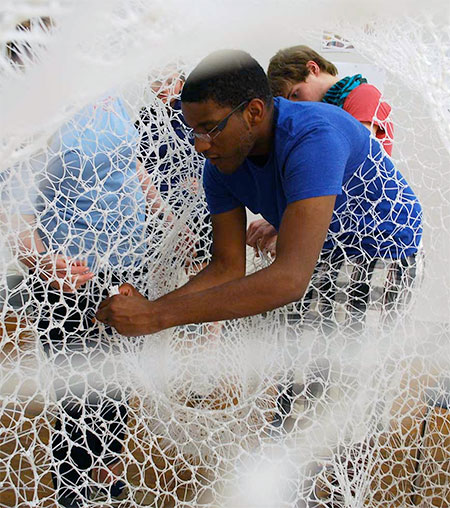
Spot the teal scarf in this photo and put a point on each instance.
(339, 91)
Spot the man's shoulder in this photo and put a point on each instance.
(286, 108)
(299, 117)
(298, 122)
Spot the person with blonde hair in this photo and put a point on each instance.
(299, 73)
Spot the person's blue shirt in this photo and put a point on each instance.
(90, 203)
(167, 152)
(321, 150)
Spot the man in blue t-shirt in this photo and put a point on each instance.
(310, 169)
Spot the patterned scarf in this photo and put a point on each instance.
(339, 91)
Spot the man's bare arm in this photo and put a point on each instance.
(284, 281)
(228, 260)
(302, 233)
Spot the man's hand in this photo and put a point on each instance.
(130, 313)
(262, 236)
(63, 272)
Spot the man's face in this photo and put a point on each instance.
(229, 148)
(309, 90)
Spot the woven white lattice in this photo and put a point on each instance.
(322, 403)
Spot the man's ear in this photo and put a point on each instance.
(313, 68)
(254, 112)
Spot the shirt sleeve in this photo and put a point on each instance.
(365, 104)
(218, 197)
(316, 164)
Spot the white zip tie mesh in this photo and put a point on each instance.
(335, 401)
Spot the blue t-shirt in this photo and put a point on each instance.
(319, 150)
(168, 154)
(90, 202)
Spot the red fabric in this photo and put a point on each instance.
(364, 103)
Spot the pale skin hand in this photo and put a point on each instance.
(151, 193)
(194, 185)
(222, 292)
(262, 236)
(61, 272)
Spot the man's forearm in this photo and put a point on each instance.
(214, 274)
(284, 281)
(264, 290)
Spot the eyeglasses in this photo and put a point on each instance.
(209, 136)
